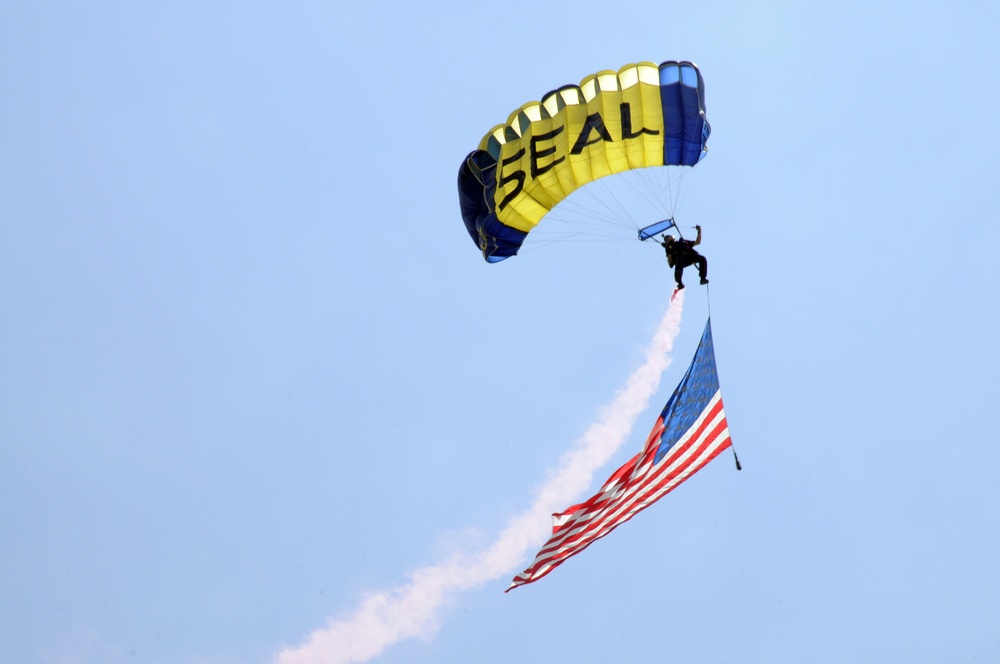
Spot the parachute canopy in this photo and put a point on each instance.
(642, 116)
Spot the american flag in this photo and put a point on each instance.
(690, 432)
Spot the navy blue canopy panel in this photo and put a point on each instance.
(476, 188)
(686, 129)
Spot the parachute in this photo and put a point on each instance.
(640, 117)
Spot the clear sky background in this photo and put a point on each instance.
(253, 370)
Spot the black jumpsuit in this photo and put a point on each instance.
(682, 253)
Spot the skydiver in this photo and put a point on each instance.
(681, 253)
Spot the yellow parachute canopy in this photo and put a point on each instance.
(644, 115)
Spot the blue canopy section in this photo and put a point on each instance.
(686, 129)
(476, 187)
(692, 395)
(655, 229)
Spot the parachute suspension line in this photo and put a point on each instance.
(605, 209)
(646, 182)
(592, 214)
(647, 187)
(678, 188)
(609, 195)
(677, 197)
(667, 191)
(598, 209)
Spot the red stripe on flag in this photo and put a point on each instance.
(632, 488)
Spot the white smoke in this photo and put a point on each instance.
(412, 610)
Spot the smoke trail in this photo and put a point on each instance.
(412, 610)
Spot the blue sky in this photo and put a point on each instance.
(252, 369)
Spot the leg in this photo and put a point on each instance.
(702, 264)
(679, 274)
